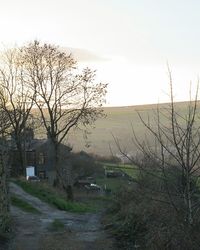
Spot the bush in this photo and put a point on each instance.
(85, 165)
(108, 159)
(144, 216)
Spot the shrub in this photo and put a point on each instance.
(144, 216)
(85, 165)
(109, 159)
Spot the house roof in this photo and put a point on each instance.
(35, 144)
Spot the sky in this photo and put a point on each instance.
(129, 42)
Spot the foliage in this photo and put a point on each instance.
(143, 216)
(164, 211)
(84, 165)
(109, 159)
(175, 154)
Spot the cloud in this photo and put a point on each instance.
(83, 55)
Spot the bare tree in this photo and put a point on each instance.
(65, 97)
(16, 100)
(174, 155)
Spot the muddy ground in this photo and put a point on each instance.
(32, 231)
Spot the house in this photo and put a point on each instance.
(40, 154)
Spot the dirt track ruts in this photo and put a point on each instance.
(82, 231)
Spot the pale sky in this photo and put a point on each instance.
(129, 42)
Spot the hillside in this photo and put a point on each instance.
(119, 122)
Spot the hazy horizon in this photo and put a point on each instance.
(129, 42)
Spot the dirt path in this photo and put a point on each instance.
(82, 232)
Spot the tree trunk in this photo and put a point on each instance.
(21, 157)
(62, 177)
(189, 201)
(4, 197)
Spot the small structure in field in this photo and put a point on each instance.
(113, 173)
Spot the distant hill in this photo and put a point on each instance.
(118, 123)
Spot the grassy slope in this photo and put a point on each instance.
(118, 123)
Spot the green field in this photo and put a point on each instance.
(116, 183)
(128, 169)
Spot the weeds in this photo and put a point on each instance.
(52, 197)
(57, 226)
(23, 205)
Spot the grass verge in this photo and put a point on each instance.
(51, 196)
(57, 226)
(23, 205)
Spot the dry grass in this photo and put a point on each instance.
(118, 123)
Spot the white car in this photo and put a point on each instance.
(93, 186)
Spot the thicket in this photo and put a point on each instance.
(163, 211)
(84, 165)
(108, 159)
(144, 218)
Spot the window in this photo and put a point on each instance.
(30, 158)
(41, 159)
(42, 174)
